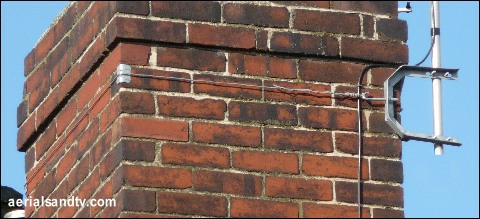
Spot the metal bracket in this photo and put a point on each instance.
(420, 72)
(123, 73)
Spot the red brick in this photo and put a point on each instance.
(366, 104)
(78, 173)
(377, 194)
(263, 113)
(265, 161)
(106, 191)
(262, 208)
(157, 177)
(136, 102)
(145, 29)
(299, 188)
(368, 26)
(224, 36)
(330, 166)
(374, 50)
(58, 61)
(372, 146)
(34, 180)
(67, 83)
(377, 123)
(29, 159)
(99, 102)
(44, 45)
(310, 98)
(387, 213)
(38, 85)
(24, 132)
(332, 72)
(90, 184)
(314, 4)
(195, 155)
(158, 84)
(226, 134)
(133, 7)
(190, 204)
(386, 170)
(66, 163)
(66, 115)
(67, 212)
(230, 183)
(144, 215)
(100, 148)
(110, 114)
(385, 8)
(322, 21)
(261, 37)
(134, 54)
(151, 128)
(46, 186)
(87, 139)
(305, 44)
(65, 23)
(45, 141)
(110, 161)
(190, 107)
(380, 75)
(138, 200)
(81, 35)
(264, 66)
(265, 16)
(312, 210)
(328, 118)
(29, 63)
(138, 150)
(216, 88)
(191, 59)
(298, 140)
(197, 10)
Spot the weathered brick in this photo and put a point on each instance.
(215, 88)
(264, 66)
(262, 208)
(29, 63)
(386, 170)
(315, 4)
(45, 141)
(86, 140)
(157, 177)
(38, 85)
(46, 186)
(224, 36)
(66, 163)
(190, 204)
(197, 10)
(138, 200)
(226, 134)
(380, 75)
(387, 213)
(331, 166)
(151, 128)
(136, 102)
(29, 159)
(66, 115)
(332, 72)
(322, 21)
(328, 118)
(144, 29)
(138, 150)
(133, 7)
(378, 194)
(190, 107)
(372, 146)
(305, 44)
(386, 8)
(263, 113)
(191, 59)
(312, 210)
(392, 29)
(298, 140)
(261, 37)
(159, 84)
(44, 45)
(90, 184)
(265, 161)
(24, 132)
(231, 183)
(299, 188)
(374, 50)
(266, 16)
(368, 26)
(377, 123)
(195, 155)
(310, 98)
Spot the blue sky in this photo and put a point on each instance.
(435, 186)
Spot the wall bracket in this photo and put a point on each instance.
(123, 73)
(420, 72)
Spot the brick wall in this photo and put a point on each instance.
(169, 147)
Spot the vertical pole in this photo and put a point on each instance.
(437, 83)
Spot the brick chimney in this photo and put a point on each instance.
(200, 130)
